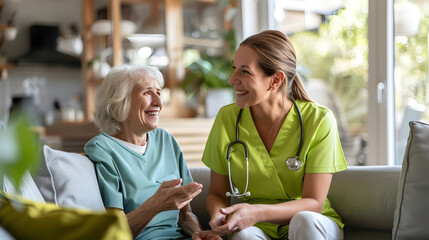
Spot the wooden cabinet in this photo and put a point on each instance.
(175, 42)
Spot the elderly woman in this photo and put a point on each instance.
(140, 168)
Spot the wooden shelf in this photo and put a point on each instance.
(201, 42)
(175, 41)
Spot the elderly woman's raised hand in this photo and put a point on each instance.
(170, 196)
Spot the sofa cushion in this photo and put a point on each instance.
(28, 188)
(24, 219)
(365, 198)
(5, 235)
(69, 179)
(411, 220)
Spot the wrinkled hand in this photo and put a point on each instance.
(205, 235)
(170, 197)
(217, 224)
(236, 217)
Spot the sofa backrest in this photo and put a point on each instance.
(198, 205)
(365, 196)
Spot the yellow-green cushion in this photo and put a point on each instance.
(32, 220)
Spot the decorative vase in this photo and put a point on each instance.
(216, 98)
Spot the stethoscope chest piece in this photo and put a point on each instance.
(293, 163)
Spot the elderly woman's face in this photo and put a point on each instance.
(146, 105)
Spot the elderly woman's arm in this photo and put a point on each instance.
(167, 197)
(190, 225)
(188, 221)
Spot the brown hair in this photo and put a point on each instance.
(276, 53)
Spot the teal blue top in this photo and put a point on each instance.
(127, 179)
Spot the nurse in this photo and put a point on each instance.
(284, 202)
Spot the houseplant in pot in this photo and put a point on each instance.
(207, 78)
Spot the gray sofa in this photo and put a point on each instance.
(375, 202)
(365, 198)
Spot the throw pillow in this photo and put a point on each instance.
(25, 219)
(28, 188)
(69, 179)
(5, 235)
(411, 220)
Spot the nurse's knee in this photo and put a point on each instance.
(250, 233)
(311, 225)
(304, 219)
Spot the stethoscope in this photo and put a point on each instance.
(293, 163)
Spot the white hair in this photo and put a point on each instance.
(113, 97)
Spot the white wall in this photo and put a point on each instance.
(60, 82)
(48, 12)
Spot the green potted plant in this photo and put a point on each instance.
(207, 78)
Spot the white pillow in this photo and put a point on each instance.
(69, 179)
(28, 188)
(5, 235)
(411, 215)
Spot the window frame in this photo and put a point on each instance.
(381, 102)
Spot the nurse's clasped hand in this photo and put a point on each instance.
(233, 218)
(170, 196)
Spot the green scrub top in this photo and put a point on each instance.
(127, 179)
(270, 180)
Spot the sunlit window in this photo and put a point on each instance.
(411, 68)
(330, 38)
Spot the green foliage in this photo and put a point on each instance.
(338, 54)
(207, 72)
(20, 149)
(210, 72)
(411, 62)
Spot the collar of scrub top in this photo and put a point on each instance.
(293, 163)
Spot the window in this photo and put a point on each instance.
(411, 68)
(373, 57)
(330, 38)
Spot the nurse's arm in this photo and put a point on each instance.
(216, 198)
(315, 190)
(314, 193)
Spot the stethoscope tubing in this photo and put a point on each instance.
(236, 193)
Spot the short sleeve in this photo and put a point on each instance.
(107, 176)
(325, 154)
